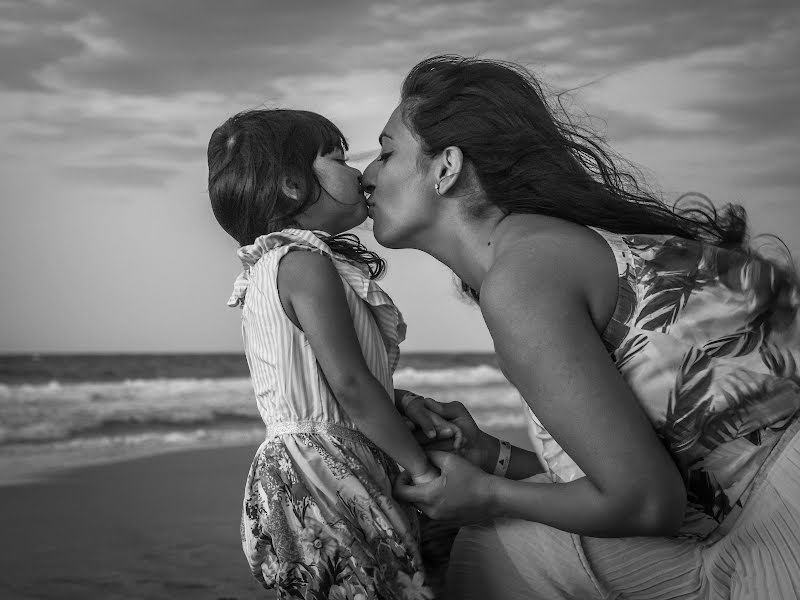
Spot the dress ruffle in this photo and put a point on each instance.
(387, 315)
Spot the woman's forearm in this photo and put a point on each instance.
(579, 507)
(523, 463)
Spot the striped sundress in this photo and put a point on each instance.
(319, 520)
(708, 339)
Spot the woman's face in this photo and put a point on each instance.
(400, 186)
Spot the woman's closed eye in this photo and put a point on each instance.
(384, 156)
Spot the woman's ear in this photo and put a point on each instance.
(450, 163)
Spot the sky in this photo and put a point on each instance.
(107, 240)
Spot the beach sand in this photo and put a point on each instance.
(158, 527)
(164, 526)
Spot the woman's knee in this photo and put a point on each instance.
(509, 558)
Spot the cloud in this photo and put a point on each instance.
(155, 48)
(761, 85)
(115, 175)
(33, 36)
(145, 82)
(78, 132)
(151, 47)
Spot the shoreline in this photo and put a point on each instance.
(23, 464)
(160, 523)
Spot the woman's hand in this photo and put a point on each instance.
(461, 492)
(429, 475)
(479, 448)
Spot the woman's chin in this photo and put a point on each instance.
(384, 235)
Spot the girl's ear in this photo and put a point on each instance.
(451, 161)
(290, 188)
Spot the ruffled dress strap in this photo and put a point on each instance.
(387, 316)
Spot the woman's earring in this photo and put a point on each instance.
(438, 183)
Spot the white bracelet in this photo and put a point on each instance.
(503, 459)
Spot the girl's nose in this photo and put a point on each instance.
(368, 179)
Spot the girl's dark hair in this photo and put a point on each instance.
(530, 157)
(249, 157)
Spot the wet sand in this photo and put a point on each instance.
(164, 526)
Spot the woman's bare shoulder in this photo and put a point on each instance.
(556, 257)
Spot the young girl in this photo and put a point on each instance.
(321, 340)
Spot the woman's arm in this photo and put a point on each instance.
(536, 306)
(312, 291)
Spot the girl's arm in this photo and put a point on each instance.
(312, 292)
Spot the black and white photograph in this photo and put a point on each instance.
(399, 300)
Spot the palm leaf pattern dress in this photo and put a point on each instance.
(318, 518)
(708, 339)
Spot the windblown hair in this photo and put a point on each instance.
(250, 156)
(530, 157)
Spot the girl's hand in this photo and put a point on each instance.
(461, 492)
(475, 445)
(429, 423)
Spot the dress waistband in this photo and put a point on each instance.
(316, 427)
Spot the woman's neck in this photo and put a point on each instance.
(466, 245)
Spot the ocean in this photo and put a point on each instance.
(109, 403)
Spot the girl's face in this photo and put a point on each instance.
(341, 205)
(401, 186)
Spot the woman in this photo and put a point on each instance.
(658, 357)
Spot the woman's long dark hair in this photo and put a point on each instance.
(530, 157)
(249, 157)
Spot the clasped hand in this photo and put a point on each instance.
(452, 441)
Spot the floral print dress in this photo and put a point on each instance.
(708, 339)
(319, 520)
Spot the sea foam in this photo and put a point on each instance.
(170, 410)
